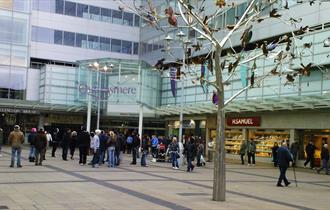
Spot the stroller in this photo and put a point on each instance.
(161, 153)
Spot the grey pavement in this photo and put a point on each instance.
(67, 185)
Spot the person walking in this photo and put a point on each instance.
(56, 140)
(1, 140)
(16, 139)
(111, 144)
(294, 151)
(190, 152)
(40, 145)
(144, 150)
(325, 159)
(174, 151)
(129, 143)
(154, 148)
(49, 140)
(310, 151)
(31, 141)
(65, 144)
(242, 151)
(274, 153)
(251, 152)
(84, 141)
(284, 158)
(95, 146)
(73, 143)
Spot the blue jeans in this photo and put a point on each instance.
(15, 150)
(189, 164)
(111, 153)
(174, 160)
(143, 158)
(102, 154)
(32, 151)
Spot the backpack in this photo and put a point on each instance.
(129, 140)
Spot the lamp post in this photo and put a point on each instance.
(96, 66)
(185, 43)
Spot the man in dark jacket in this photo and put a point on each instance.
(135, 146)
(325, 159)
(190, 153)
(144, 150)
(310, 151)
(56, 140)
(294, 151)
(65, 144)
(103, 146)
(284, 158)
(118, 147)
(40, 145)
(84, 141)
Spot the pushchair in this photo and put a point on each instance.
(161, 153)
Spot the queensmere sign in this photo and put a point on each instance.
(113, 90)
(243, 121)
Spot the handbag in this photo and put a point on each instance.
(177, 155)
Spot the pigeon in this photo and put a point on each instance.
(160, 64)
(120, 8)
(308, 45)
(286, 6)
(220, 3)
(305, 70)
(290, 78)
(230, 27)
(274, 14)
(264, 48)
(246, 36)
(252, 78)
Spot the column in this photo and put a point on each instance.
(141, 123)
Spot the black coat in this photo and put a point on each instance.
(84, 139)
(325, 154)
(310, 149)
(190, 150)
(283, 157)
(145, 146)
(40, 141)
(136, 141)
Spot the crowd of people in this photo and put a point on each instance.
(106, 147)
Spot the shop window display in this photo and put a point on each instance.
(265, 140)
(234, 139)
(318, 137)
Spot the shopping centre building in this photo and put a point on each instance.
(58, 55)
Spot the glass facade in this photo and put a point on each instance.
(128, 82)
(14, 33)
(53, 36)
(74, 9)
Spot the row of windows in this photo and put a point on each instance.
(87, 11)
(52, 36)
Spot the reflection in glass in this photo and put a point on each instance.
(81, 40)
(69, 38)
(82, 10)
(106, 14)
(116, 45)
(94, 12)
(126, 47)
(58, 37)
(128, 19)
(105, 43)
(59, 6)
(93, 42)
(117, 17)
(70, 8)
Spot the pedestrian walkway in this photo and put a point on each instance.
(67, 185)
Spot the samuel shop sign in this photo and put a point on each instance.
(243, 121)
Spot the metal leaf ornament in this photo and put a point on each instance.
(171, 18)
(215, 98)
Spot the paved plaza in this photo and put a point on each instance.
(67, 185)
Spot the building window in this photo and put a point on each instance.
(58, 37)
(116, 45)
(105, 44)
(117, 17)
(136, 21)
(94, 12)
(82, 10)
(69, 38)
(93, 42)
(44, 35)
(70, 8)
(59, 6)
(126, 47)
(81, 40)
(128, 19)
(106, 15)
(136, 48)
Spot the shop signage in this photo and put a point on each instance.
(243, 121)
(24, 111)
(107, 92)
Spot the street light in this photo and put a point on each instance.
(96, 66)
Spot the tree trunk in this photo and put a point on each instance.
(219, 174)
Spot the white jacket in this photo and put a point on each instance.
(95, 143)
